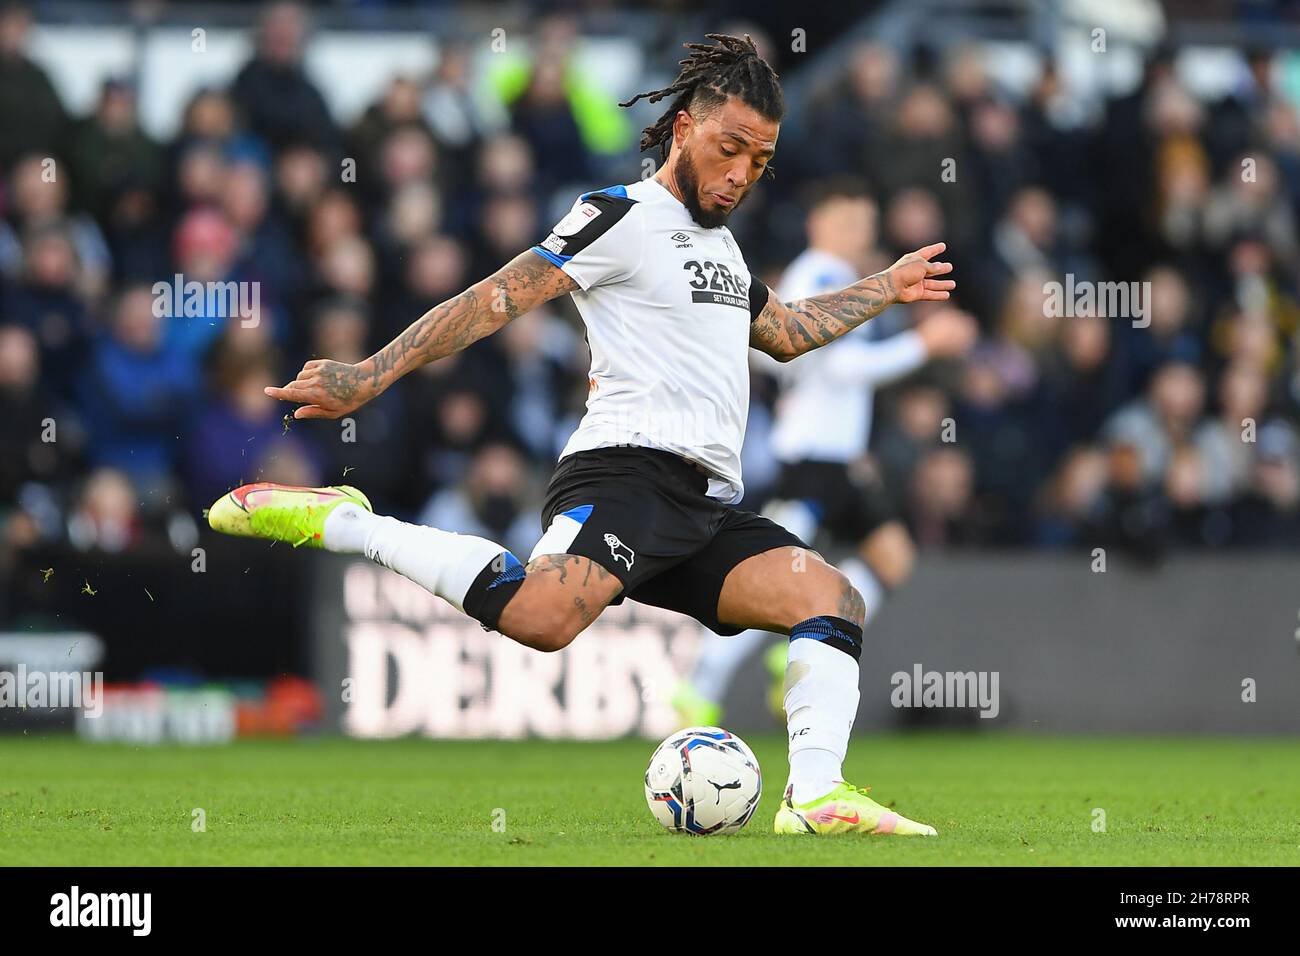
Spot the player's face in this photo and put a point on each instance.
(721, 157)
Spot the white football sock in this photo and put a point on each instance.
(814, 770)
(721, 657)
(439, 561)
(346, 528)
(821, 701)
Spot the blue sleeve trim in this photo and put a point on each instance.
(552, 258)
(579, 514)
(619, 191)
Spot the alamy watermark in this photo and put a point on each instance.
(130, 910)
(80, 690)
(922, 688)
(1107, 300)
(213, 300)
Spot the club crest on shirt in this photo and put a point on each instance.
(619, 551)
(578, 217)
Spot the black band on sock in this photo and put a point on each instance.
(492, 590)
(833, 632)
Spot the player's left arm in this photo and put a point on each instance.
(785, 330)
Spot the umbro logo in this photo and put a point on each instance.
(682, 239)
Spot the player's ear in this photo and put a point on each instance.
(683, 123)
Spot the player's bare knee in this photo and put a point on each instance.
(833, 595)
(543, 624)
(538, 636)
(842, 599)
(548, 640)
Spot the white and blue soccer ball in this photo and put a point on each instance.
(703, 780)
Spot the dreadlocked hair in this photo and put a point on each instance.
(731, 67)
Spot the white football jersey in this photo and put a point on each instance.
(667, 306)
(824, 412)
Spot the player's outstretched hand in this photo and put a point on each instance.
(325, 389)
(914, 279)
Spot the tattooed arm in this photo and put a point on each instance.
(786, 330)
(327, 389)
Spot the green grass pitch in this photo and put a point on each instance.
(995, 799)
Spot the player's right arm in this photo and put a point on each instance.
(327, 389)
(786, 330)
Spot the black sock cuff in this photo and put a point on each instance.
(832, 631)
(492, 590)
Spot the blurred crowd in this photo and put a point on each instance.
(119, 424)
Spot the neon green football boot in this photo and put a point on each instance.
(281, 512)
(846, 809)
(693, 708)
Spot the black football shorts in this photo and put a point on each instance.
(643, 515)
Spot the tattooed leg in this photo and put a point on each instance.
(560, 596)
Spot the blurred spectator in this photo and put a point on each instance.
(436, 269)
(456, 118)
(301, 175)
(1268, 514)
(109, 152)
(40, 201)
(1080, 387)
(371, 450)
(1169, 417)
(280, 103)
(922, 136)
(917, 418)
(266, 251)
(46, 301)
(1130, 516)
(450, 419)
(942, 499)
(538, 372)
(31, 113)
(555, 102)
(242, 435)
(851, 117)
(1001, 163)
(204, 251)
(41, 437)
(106, 516)
(334, 216)
(1231, 438)
(492, 501)
(1166, 336)
(543, 117)
(1071, 497)
(138, 392)
(507, 225)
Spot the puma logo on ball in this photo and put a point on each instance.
(619, 551)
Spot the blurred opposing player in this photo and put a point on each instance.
(636, 505)
(826, 483)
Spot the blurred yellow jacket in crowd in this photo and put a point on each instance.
(605, 129)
